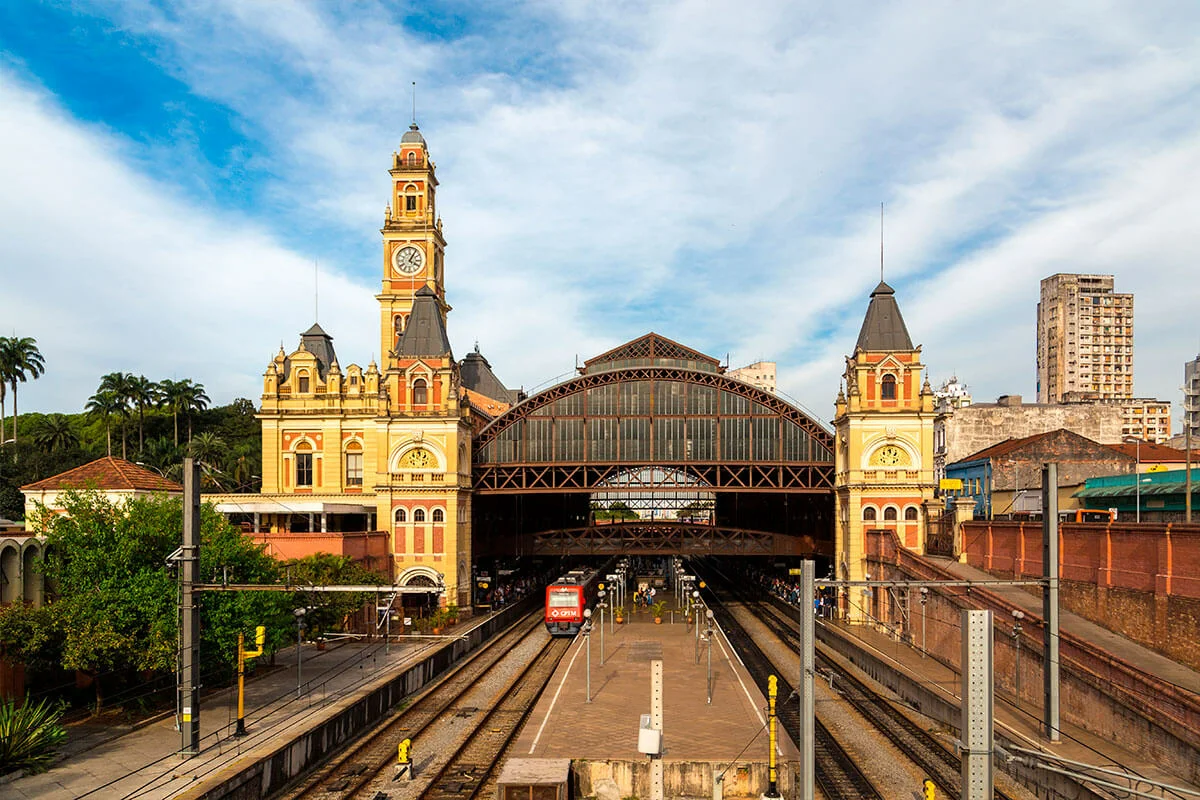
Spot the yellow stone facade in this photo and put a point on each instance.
(388, 446)
(884, 443)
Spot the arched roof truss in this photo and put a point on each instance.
(581, 434)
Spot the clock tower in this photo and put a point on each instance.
(413, 246)
(884, 441)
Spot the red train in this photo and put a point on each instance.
(566, 599)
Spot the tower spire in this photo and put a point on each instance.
(414, 102)
(881, 242)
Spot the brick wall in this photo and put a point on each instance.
(1098, 691)
(1139, 580)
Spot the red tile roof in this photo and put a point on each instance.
(1005, 447)
(107, 473)
(1154, 453)
(489, 406)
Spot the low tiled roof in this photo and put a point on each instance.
(493, 408)
(1156, 453)
(1005, 447)
(107, 473)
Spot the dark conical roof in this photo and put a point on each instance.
(883, 328)
(425, 334)
(477, 376)
(316, 341)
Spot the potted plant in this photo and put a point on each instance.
(452, 615)
(657, 609)
(619, 614)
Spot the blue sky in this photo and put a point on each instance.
(171, 172)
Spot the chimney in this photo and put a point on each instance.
(1009, 400)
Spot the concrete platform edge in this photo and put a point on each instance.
(270, 770)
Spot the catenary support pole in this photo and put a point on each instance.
(189, 618)
(656, 722)
(808, 774)
(977, 705)
(1050, 601)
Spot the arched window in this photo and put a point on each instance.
(420, 392)
(889, 514)
(869, 513)
(401, 515)
(302, 382)
(910, 514)
(418, 515)
(304, 465)
(413, 158)
(888, 387)
(439, 515)
(398, 324)
(354, 464)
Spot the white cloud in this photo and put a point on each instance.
(110, 270)
(714, 172)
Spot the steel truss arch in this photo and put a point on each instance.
(715, 470)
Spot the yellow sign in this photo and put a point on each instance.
(1158, 468)
(950, 483)
(794, 571)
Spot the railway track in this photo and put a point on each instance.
(370, 760)
(917, 744)
(469, 771)
(838, 776)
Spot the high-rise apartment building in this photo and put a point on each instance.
(1084, 338)
(1191, 398)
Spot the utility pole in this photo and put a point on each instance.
(977, 737)
(189, 617)
(808, 571)
(1050, 601)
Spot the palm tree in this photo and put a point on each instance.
(120, 386)
(165, 456)
(183, 396)
(54, 432)
(21, 361)
(142, 392)
(104, 405)
(191, 398)
(208, 450)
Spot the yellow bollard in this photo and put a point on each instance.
(928, 790)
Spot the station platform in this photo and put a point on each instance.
(144, 761)
(733, 727)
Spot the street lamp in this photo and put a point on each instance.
(708, 634)
(601, 605)
(1137, 477)
(696, 606)
(924, 600)
(1017, 615)
(587, 635)
(299, 613)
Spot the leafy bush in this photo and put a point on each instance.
(30, 734)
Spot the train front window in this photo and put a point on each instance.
(563, 598)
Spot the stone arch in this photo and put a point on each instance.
(422, 576)
(10, 573)
(32, 587)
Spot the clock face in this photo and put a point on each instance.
(889, 456)
(408, 260)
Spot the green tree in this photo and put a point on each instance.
(117, 596)
(142, 393)
(20, 360)
(209, 450)
(164, 456)
(120, 386)
(183, 397)
(55, 432)
(329, 611)
(104, 405)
